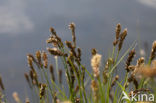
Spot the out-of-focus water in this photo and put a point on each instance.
(24, 28)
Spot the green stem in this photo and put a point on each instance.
(46, 77)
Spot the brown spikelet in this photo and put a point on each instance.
(1, 83)
(129, 59)
(93, 51)
(108, 63)
(38, 57)
(153, 52)
(133, 79)
(56, 52)
(95, 89)
(117, 31)
(34, 77)
(52, 39)
(131, 68)
(30, 62)
(114, 81)
(53, 32)
(60, 76)
(122, 38)
(52, 72)
(71, 47)
(79, 54)
(105, 77)
(32, 59)
(140, 61)
(45, 59)
(42, 90)
(72, 28)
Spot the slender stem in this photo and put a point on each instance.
(46, 76)
(101, 90)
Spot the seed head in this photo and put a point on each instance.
(129, 59)
(55, 52)
(45, 59)
(38, 56)
(42, 90)
(117, 31)
(122, 38)
(95, 63)
(72, 28)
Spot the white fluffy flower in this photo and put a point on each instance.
(95, 63)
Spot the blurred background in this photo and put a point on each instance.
(24, 28)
